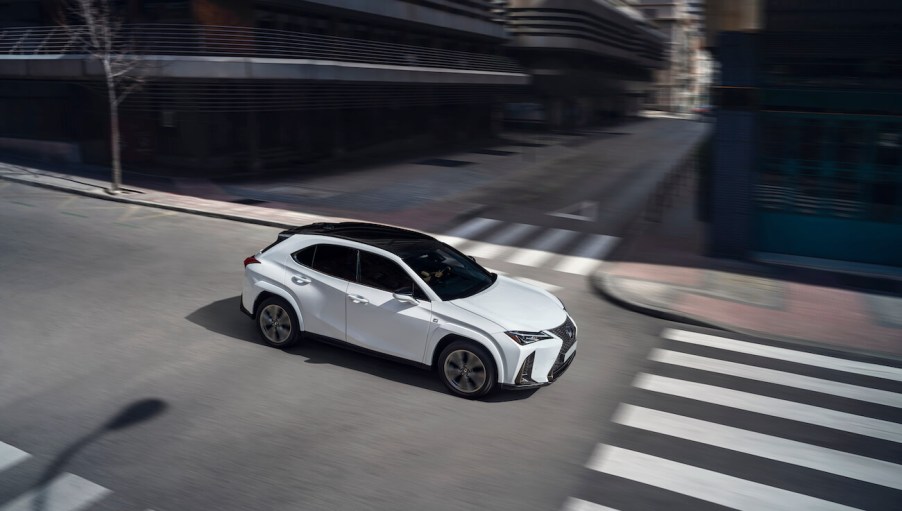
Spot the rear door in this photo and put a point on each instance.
(319, 276)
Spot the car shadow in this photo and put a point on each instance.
(225, 318)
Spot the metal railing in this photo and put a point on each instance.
(230, 41)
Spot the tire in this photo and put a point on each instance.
(467, 369)
(277, 323)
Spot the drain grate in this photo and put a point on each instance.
(249, 202)
(439, 162)
(494, 152)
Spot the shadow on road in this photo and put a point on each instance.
(224, 317)
(137, 412)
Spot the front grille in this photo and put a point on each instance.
(561, 332)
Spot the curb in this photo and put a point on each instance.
(169, 207)
(601, 284)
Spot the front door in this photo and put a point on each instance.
(379, 321)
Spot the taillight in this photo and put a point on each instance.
(251, 260)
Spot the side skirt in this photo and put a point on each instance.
(366, 351)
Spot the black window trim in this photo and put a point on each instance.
(418, 291)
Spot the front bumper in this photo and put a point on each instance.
(542, 363)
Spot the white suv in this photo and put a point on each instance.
(407, 296)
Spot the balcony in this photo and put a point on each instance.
(204, 51)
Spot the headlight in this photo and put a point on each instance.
(527, 337)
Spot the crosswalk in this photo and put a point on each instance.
(714, 422)
(531, 245)
(62, 492)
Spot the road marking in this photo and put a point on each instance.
(585, 210)
(10, 455)
(574, 504)
(66, 492)
(479, 249)
(540, 251)
(702, 484)
(513, 233)
(714, 365)
(840, 463)
(472, 227)
(588, 255)
(799, 357)
(771, 406)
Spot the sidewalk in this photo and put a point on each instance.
(661, 271)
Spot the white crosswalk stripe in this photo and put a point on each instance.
(531, 245)
(62, 492)
(778, 377)
(791, 410)
(703, 484)
(766, 446)
(573, 504)
(707, 473)
(66, 492)
(10, 456)
(799, 357)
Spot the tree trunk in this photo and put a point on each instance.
(116, 183)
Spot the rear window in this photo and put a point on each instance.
(337, 261)
(305, 257)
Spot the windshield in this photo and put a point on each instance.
(449, 273)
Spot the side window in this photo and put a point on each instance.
(305, 256)
(383, 273)
(337, 261)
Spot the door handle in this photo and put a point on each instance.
(300, 280)
(358, 299)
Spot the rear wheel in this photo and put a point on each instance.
(467, 369)
(278, 324)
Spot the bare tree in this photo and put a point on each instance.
(98, 30)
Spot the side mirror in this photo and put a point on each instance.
(405, 298)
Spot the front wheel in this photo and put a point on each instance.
(467, 369)
(277, 323)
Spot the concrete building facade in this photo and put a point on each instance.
(590, 60)
(237, 86)
(242, 85)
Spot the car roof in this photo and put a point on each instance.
(401, 242)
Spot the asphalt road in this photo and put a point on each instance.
(125, 361)
(129, 380)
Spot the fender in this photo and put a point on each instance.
(282, 293)
(484, 339)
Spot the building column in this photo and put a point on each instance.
(734, 149)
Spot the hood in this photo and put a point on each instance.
(514, 305)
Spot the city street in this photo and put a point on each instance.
(107, 305)
(130, 380)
